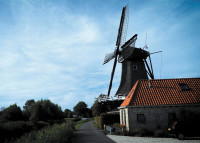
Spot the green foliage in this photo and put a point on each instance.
(72, 119)
(14, 129)
(117, 128)
(159, 133)
(56, 134)
(140, 132)
(98, 108)
(81, 109)
(68, 113)
(28, 104)
(89, 113)
(109, 119)
(79, 123)
(45, 110)
(42, 114)
(97, 122)
(76, 119)
(41, 124)
(27, 108)
(2, 108)
(12, 113)
(69, 119)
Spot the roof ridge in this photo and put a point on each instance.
(164, 92)
(133, 97)
(126, 101)
(167, 79)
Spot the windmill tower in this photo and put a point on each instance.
(133, 60)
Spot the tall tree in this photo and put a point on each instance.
(12, 113)
(68, 113)
(2, 108)
(98, 108)
(28, 104)
(44, 110)
(81, 109)
(27, 108)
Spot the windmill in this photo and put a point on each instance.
(133, 60)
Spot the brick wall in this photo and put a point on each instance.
(155, 116)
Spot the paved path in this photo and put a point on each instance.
(88, 133)
(129, 139)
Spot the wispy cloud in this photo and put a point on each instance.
(55, 50)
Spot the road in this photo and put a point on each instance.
(88, 133)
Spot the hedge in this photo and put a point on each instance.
(109, 119)
(97, 121)
(62, 133)
(14, 129)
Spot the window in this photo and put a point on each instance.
(134, 67)
(184, 86)
(140, 118)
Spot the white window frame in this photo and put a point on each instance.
(124, 117)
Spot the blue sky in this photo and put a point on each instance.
(55, 49)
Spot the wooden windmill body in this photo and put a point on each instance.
(133, 69)
(133, 60)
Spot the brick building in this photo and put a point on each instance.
(152, 104)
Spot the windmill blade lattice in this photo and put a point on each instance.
(118, 43)
(125, 26)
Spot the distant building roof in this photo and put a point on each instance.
(164, 92)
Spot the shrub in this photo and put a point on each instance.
(41, 124)
(98, 108)
(68, 113)
(117, 128)
(57, 133)
(71, 124)
(80, 109)
(45, 110)
(76, 119)
(97, 121)
(109, 119)
(140, 132)
(159, 133)
(13, 130)
(12, 113)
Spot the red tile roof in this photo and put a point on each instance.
(163, 92)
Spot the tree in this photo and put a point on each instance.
(98, 108)
(2, 108)
(89, 113)
(68, 113)
(27, 108)
(44, 110)
(81, 109)
(28, 104)
(12, 113)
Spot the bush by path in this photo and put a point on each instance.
(62, 133)
(97, 122)
(14, 129)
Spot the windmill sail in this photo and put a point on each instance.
(122, 28)
(125, 26)
(108, 57)
(119, 36)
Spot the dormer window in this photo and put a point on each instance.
(134, 67)
(183, 86)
